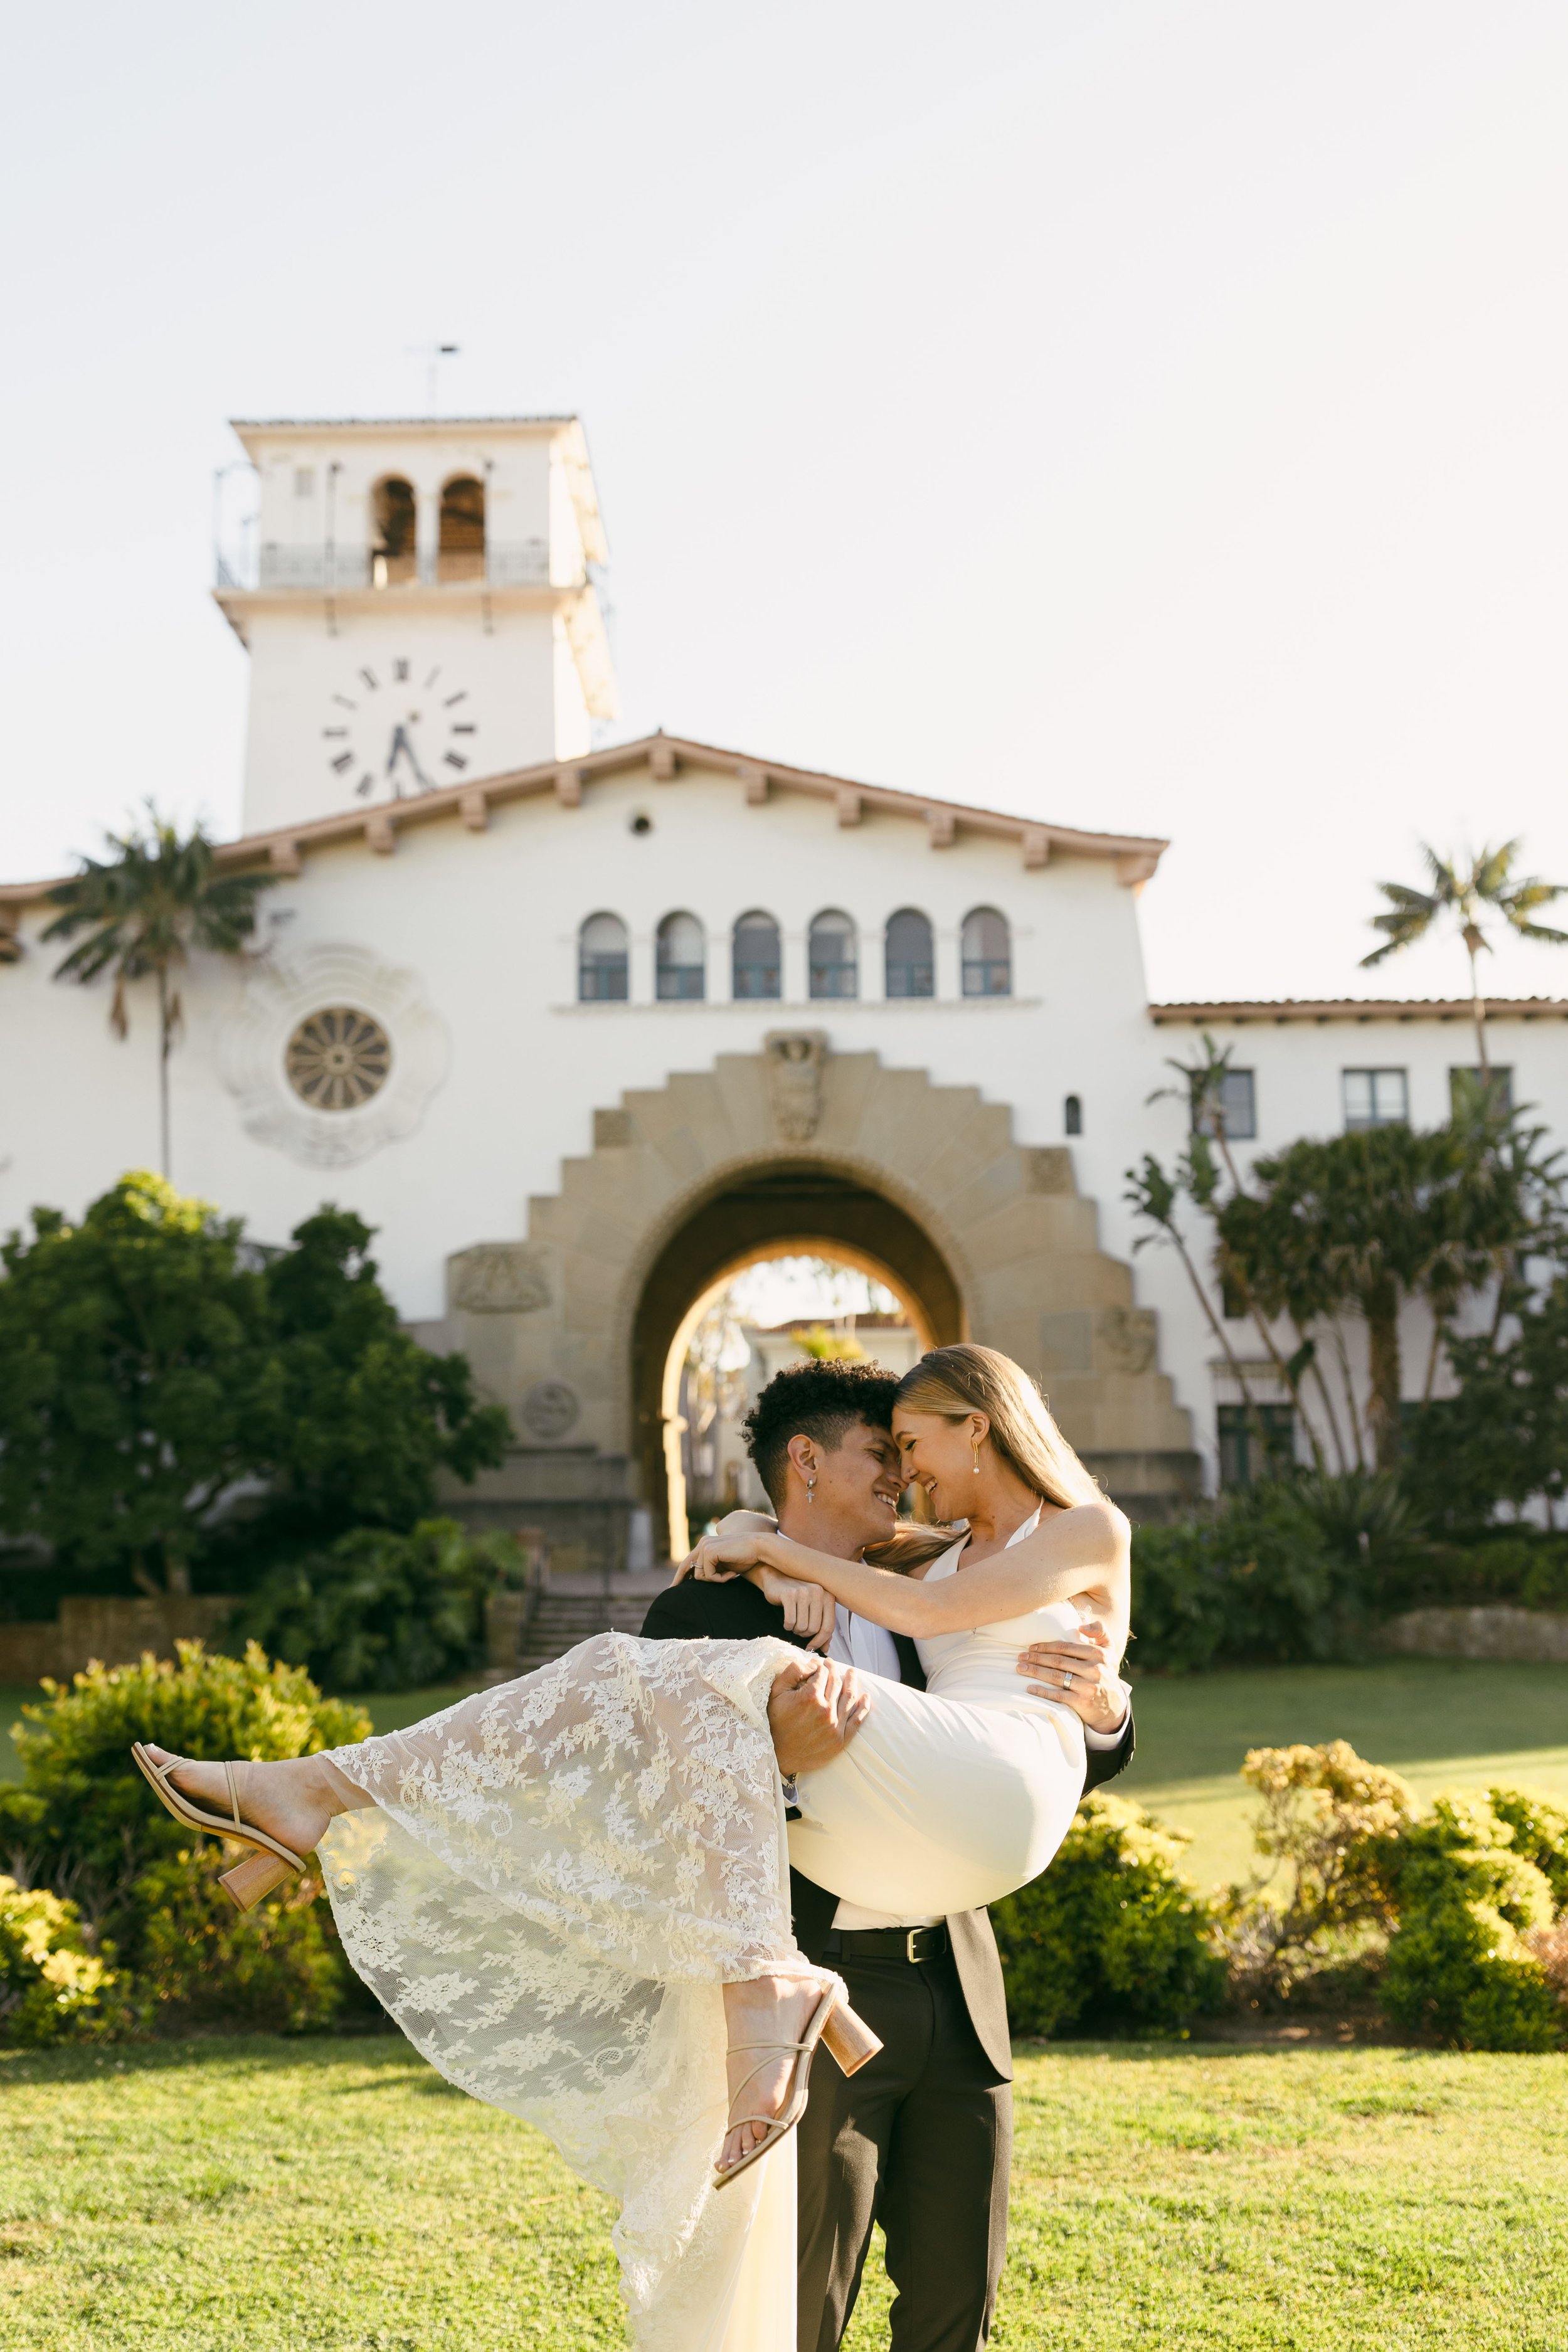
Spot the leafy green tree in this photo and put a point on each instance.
(1504, 1437)
(146, 1369)
(1369, 1219)
(129, 1346)
(143, 910)
(1464, 893)
(350, 1421)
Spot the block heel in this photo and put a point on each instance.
(849, 2041)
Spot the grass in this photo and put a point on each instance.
(1443, 1722)
(261, 2196)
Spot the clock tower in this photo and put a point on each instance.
(419, 604)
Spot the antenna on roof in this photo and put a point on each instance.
(432, 354)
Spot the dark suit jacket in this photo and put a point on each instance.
(737, 1612)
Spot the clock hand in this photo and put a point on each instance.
(400, 742)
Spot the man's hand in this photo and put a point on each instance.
(807, 1609)
(815, 1709)
(1081, 1673)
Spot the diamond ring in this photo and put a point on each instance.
(1067, 1681)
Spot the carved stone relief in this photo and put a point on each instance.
(550, 1410)
(1125, 1338)
(500, 1279)
(794, 1060)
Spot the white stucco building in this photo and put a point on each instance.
(581, 1031)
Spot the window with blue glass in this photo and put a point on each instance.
(757, 967)
(603, 960)
(1375, 1099)
(832, 962)
(987, 954)
(1235, 1110)
(911, 959)
(680, 960)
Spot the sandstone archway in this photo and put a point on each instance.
(795, 1144)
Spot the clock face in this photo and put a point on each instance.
(397, 728)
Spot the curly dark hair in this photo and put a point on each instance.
(823, 1401)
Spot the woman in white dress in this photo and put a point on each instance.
(572, 1892)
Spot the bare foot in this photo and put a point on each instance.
(292, 1799)
(766, 2010)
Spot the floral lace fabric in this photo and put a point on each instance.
(554, 1882)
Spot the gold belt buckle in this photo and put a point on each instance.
(910, 1942)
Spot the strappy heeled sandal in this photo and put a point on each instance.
(261, 1871)
(849, 2042)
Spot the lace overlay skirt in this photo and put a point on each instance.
(555, 1881)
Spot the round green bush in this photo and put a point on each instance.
(1111, 1940)
(1457, 1964)
(84, 1825)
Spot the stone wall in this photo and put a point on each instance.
(114, 1630)
(1521, 1636)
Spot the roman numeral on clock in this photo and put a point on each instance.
(344, 759)
(456, 759)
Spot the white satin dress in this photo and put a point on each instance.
(557, 1877)
(953, 1796)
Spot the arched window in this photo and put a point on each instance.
(911, 962)
(460, 555)
(1072, 1116)
(831, 955)
(679, 974)
(758, 966)
(987, 954)
(394, 554)
(603, 960)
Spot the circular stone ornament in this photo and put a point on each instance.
(549, 1410)
(336, 1060)
(332, 1054)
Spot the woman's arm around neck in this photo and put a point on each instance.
(1081, 1554)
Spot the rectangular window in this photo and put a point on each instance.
(1242, 1458)
(1376, 1097)
(1465, 1090)
(1238, 1107)
(679, 983)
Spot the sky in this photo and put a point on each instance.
(1148, 417)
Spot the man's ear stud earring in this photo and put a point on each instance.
(811, 1488)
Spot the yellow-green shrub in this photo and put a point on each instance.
(53, 1987)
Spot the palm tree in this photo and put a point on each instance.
(1489, 882)
(145, 910)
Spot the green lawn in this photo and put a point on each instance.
(261, 2196)
(1443, 1722)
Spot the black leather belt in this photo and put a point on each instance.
(915, 1944)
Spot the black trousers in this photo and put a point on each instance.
(919, 2140)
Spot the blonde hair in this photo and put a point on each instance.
(958, 1381)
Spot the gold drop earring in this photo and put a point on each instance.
(977, 1457)
(811, 1488)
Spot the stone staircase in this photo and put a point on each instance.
(561, 1620)
(528, 1629)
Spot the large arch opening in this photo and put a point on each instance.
(793, 1209)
